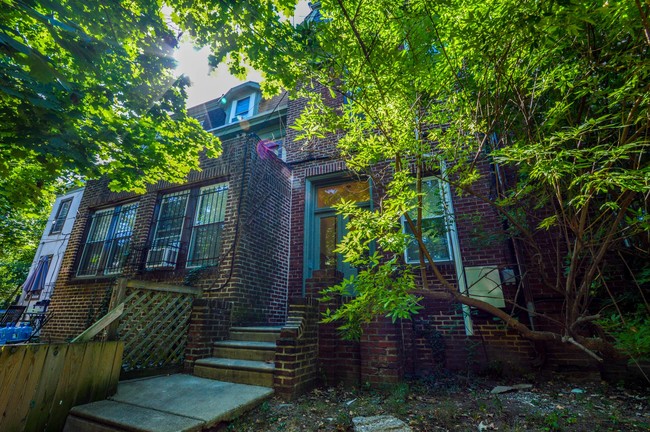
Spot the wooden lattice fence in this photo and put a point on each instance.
(154, 325)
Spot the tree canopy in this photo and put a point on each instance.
(85, 91)
(553, 93)
(89, 90)
(21, 232)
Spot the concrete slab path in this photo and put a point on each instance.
(174, 403)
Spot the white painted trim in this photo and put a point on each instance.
(251, 106)
(455, 249)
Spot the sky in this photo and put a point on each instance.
(209, 83)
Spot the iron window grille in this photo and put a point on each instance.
(108, 241)
(61, 216)
(169, 229)
(194, 218)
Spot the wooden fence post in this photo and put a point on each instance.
(117, 297)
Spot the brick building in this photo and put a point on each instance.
(255, 230)
(221, 231)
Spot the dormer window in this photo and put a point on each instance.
(242, 108)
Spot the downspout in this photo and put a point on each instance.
(455, 246)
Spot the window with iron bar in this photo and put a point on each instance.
(189, 227)
(108, 241)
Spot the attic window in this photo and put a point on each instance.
(242, 109)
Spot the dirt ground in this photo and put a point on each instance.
(457, 403)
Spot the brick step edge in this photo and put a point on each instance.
(252, 345)
(244, 365)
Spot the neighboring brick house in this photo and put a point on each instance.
(256, 228)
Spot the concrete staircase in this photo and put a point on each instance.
(246, 358)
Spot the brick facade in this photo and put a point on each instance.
(210, 322)
(261, 266)
(296, 355)
(253, 263)
(436, 337)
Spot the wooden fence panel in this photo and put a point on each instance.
(40, 383)
(11, 360)
(46, 390)
(66, 390)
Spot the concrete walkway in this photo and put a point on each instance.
(171, 403)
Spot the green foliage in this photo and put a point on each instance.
(554, 95)
(90, 91)
(377, 290)
(632, 332)
(21, 232)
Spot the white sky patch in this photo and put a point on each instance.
(209, 83)
(206, 83)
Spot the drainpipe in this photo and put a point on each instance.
(458, 259)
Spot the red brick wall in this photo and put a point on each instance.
(339, 361)
(481, 242)
(296, 355)
(210, 322)
(262, 264)
(383, 357)
(252, 271)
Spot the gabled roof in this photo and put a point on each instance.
(241, 89)
(213, 112)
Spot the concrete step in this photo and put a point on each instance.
(244, 350)
(111, 416)
(250, 372)
(175, 403)
(255, 334)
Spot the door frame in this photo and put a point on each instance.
(309, 261)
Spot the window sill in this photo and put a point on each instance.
(93, 279)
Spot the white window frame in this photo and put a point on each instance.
(446, 217)
(233, 117)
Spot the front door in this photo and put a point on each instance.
(325, 228)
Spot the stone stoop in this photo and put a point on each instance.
(246, 358)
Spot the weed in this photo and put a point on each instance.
(343, 420)
(447, 413)
(396, 401)
(552, 421)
